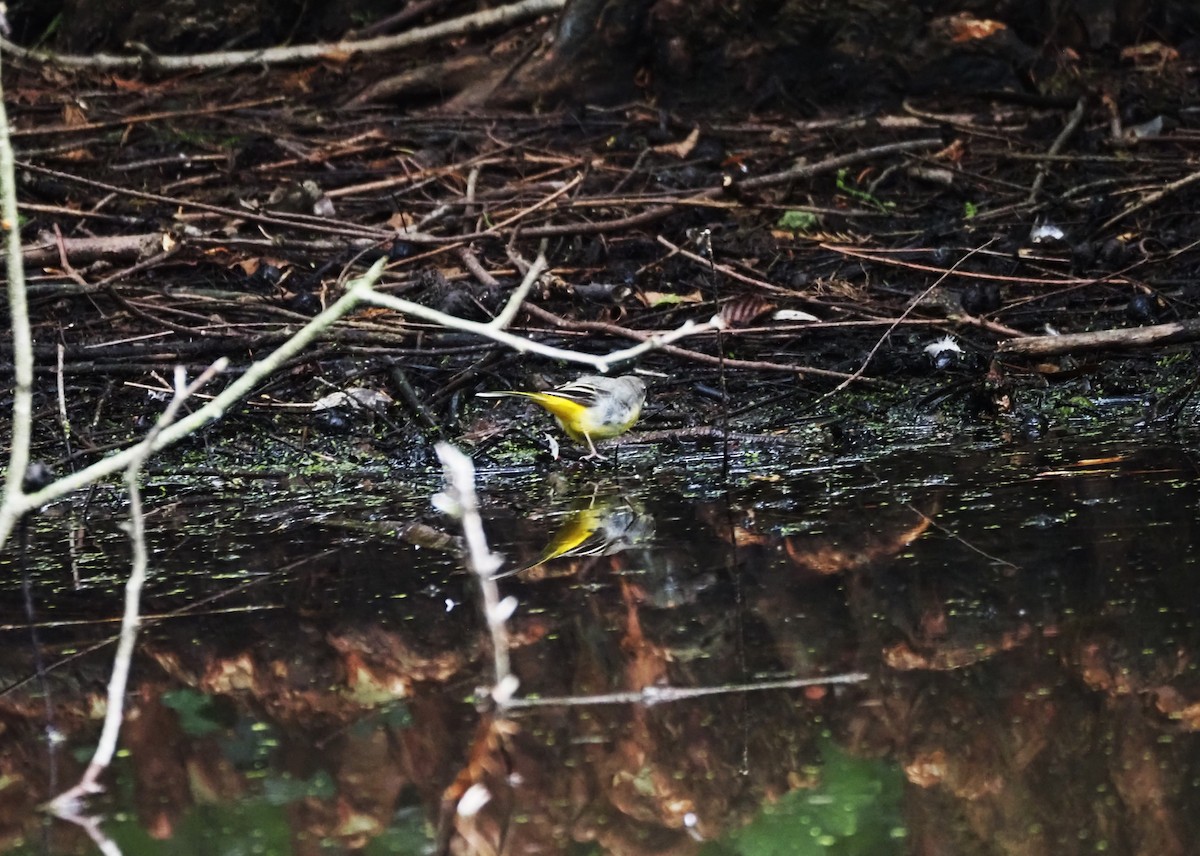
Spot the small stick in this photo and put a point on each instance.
(1073, 122)
(1125, 337)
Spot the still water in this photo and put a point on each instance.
(1012, 629)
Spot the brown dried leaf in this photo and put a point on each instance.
(681, 149)
(73, 116)
(741, 311)
(654, 299)
(965, 27)
(1150, 53)
(401, 221)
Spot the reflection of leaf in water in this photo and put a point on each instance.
(197, 714)
(855, 810)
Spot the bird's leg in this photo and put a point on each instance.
(594, 455)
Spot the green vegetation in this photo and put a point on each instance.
(798, 221)
(854, 811)
(861, 195)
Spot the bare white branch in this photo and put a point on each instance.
(22, 338)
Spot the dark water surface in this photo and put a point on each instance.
(1023, 616)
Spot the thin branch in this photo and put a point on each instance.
(1187, 330)
(22, 339)
(67, 803)
(290, 221)
(809, 170)
(64, 420)
(521, 345)
(675, 351)
(760, 284)
(912, 304)
(541, 203)
(1068, 131)
(1148, 200)
(58, 130)
(513, 306)
(298, 53)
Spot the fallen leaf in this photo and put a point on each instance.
(654, 299)
(681, 149)
(354, 398)
(741, 311)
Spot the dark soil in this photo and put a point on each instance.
(178, 220)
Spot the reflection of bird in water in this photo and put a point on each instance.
(599, 527)
(590, 408)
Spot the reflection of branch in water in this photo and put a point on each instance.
(486, 777)
(960, 539)
(658, 694)
(459, 501)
